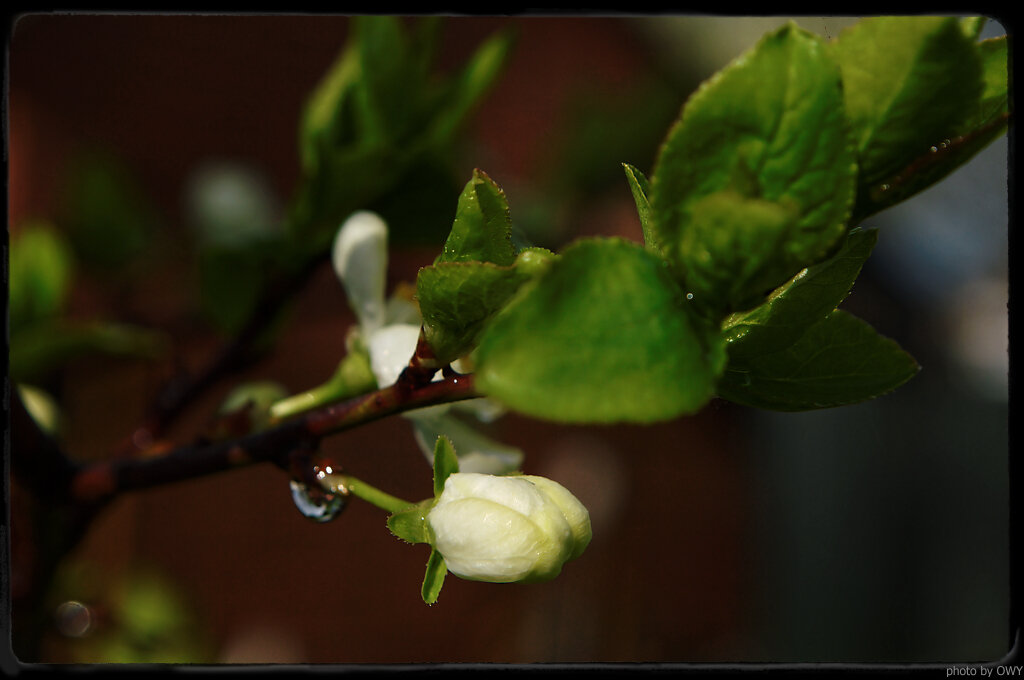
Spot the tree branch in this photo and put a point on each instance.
(102, 481)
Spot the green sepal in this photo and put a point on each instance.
(641, 190)
(433, 578)
(603, 335)
(482, 230)
(770, 128)
(839, 360)
(410, 524)
(445, 463)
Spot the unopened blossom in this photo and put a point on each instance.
(503, 529)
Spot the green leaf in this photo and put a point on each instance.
(433, 579)
(41, 268)
(42, 348)
(109, 217)
(457, 298)
(469, 87)
(641, 190)
(802, 301)
(972, 26)
(445, 463)
(325, 119)
(390, 78)
(734, 250)
(482, 229)
(771, 128)
(410, 524)
(910, 83)
(839, 360)
(603, 335)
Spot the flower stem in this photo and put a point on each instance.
(372, 494)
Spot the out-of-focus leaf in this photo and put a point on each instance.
(41, 268)
(110, 218)
(38, 350)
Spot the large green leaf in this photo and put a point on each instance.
(910, 83)
(987, 122)
(802, 301)
(839, 360)
(482, 230)
(771, 129)
(604, 334)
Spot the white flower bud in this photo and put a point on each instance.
(504, 529)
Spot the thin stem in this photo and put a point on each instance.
(372, 494)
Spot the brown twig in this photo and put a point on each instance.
(102, 481)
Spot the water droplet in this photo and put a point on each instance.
(74, 619)
(884, 187)
(689, 296)
(934, 149)
(320, 505)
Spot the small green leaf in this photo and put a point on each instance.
(909, 83)
(839, 360)
(972, 26)
(469, 87)
(445, 463)
(325, 121)
(802, 301)
(457, 298)
(41, 268)
(38, 350)
(410, 524)
(641, 190)
(109, 217)
(433, 579)
(603, 335)
(770, 128)
(482, 229)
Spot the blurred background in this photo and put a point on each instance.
(873, 533)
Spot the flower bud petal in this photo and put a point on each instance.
(576, 514)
